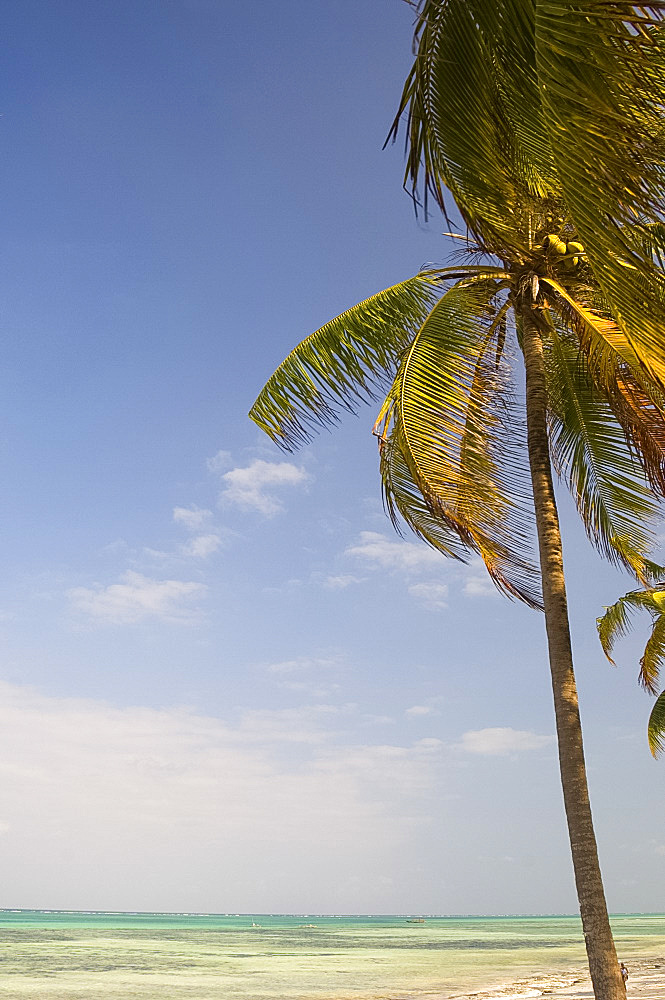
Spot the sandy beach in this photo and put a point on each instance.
(646, 981)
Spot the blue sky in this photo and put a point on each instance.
(227, 684)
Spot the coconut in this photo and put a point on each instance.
(659, 598)
(553, 244)
(574, 248)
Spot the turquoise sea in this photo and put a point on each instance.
(59, 955)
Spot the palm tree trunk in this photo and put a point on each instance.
(603, 965)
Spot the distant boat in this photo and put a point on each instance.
(415, 920)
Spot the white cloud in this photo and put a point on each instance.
(192, 518)
(308, 725)
(387, 766)
(379, 551)
(118, 796)
(202, 546)
(287, 672)
(419, 710)
(195, 519)
(377, 720)
(341, 582)
(158, 555)
(476, 586)
(138, 598)
(499, 741)
(219, 462)
(301, 663)
(430, 744)
(310, 688)
(253, 487)
(433, 595)
(477, 582)
(416, 559)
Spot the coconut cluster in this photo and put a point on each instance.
(560, 252)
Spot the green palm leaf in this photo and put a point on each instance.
(453, 428)
(474, 120)
(654, 655)
(616, 622)
(604, 343)
(636, 400)
(405, 501)
(656, 728)
(590, 452)
(509, 29)
(600, 67)
(344, 362)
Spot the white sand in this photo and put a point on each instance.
(646, 981)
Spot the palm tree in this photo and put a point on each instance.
(561, 202)
(617, 622)
(453, 451)
(512, 100)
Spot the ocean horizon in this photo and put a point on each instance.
(313, 913)
(62, 954)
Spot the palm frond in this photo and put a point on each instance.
(656, 727)
(616, 622)
(405, 501)
(509, 30)
(590, 452)
(600, 67)
(654, 656)
(653, 241)
(473, 114)
(637, 402)
(344, 362)
(453, 427)
(603, 342)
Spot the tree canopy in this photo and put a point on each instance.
(520, 99)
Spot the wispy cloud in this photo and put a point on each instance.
(433, 595)
(376, 550)
(477, 582)
(192, 518)
(220, 462)
(418, 710)
(202, 546)
(254, 487)
(500, 741)
(341, 581)
(122, 793)
(300, 664)
(370, 719)
(133, 771)
(416, 561)
(138, 598)
(303, 676)
(310, 688)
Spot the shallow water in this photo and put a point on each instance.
(90, 956)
